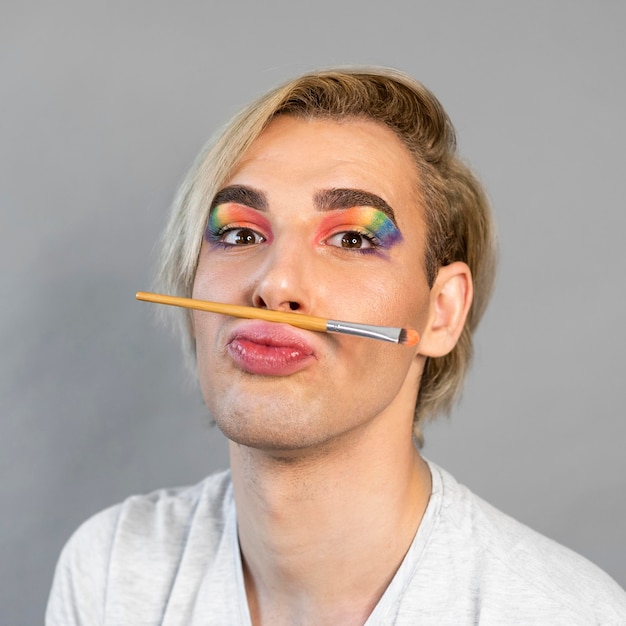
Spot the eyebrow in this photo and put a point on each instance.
(325, 200)
(241, 195)
(330, 199)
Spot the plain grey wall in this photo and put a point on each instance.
(103, 107)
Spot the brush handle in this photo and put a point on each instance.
(308, 322)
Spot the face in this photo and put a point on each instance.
(322, 218)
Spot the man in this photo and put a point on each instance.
(339, 195)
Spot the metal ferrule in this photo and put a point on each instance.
(385, 333)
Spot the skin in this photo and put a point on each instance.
(324, 469)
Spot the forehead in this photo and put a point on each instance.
(295, 155)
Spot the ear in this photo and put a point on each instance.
(450, 301)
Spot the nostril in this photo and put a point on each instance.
(294, 306)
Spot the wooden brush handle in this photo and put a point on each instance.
(308, 322)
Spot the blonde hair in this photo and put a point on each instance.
(457, 212)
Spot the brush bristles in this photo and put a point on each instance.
(408, 337)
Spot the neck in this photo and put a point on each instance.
(322, 533)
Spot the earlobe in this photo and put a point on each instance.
(451, 298)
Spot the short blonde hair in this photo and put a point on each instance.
(456, 209)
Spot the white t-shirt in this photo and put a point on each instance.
(172, 558)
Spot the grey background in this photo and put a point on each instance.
(103, 107)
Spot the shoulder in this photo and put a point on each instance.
(520, 569)
(173, 510)
(143, 529)
(162, 516)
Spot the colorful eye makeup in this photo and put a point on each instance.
(229, 217)
(360, 228)
(370, 223)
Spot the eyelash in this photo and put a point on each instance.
(371, 239)
(218, 238)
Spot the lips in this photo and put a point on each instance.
(268, 349)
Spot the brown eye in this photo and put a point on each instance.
(242, 237)
(354, 239)
(351, 240)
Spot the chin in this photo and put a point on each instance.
(285, 433)
(270, 437)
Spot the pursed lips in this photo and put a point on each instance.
(268, 349)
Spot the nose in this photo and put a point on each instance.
(284, 278)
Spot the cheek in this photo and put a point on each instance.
(212, 281)
(400, 300)
(209, 284)
(413, 300)
(210, 362)
(411, 293)
(203, 325)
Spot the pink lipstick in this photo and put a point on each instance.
(269, 349)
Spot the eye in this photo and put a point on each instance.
(240, 237)
(352, 239)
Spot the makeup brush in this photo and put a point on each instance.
(403, 336)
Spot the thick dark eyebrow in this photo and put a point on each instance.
(241, 195)
(325, 200)
(329, 199)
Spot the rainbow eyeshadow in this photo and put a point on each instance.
(371, 220)
(234, 215)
